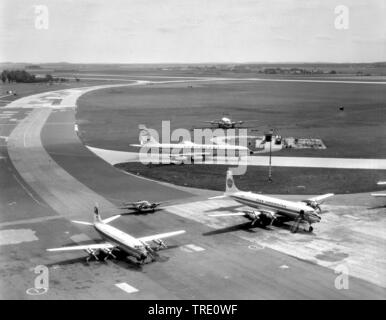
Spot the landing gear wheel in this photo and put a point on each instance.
(310, 229)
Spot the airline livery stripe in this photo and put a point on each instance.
(270, 205)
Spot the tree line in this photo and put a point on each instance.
(23, 76)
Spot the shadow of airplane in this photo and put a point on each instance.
(229, 208)
(243, 226)
(122, 262)
(122, 259)
(133, 212)
(377, 207)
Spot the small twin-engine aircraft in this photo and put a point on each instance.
(141, 206)
(270, 208)
(117, 240)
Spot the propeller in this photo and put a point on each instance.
(92, 253)
(313, 204)
(254, 216)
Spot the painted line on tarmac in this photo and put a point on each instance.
(32, 220)
(28, 192)
(192, 248)
(126, 287)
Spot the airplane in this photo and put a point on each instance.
(189, 150)
(270, 208)
(227, 123)
(141, 206)
(117, 240)
(380, 183)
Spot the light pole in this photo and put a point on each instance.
(268, 137)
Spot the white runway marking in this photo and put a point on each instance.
(284, 267)
(192, 248)
(126, 287)
(28, 192)
(351, 217)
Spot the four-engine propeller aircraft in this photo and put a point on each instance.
(180, 153)
(380, 183)
(270, 208)
(141, 206)
(227, 123)
(117, 240)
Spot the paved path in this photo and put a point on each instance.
(113, 157)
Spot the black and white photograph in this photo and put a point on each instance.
(192, 150)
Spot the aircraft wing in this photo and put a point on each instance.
(378, 194)
(112, 218)
(127, 206)
(161, 236)
(213, 122)
(94, 246)
(321, 198)
(228, 214)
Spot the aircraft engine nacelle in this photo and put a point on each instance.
(264, 218)
(160, 243)
(313, 204)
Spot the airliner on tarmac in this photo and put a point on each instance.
(270, 208)
(187, 150)
(227, 123)
(380, 183)
(119, 240)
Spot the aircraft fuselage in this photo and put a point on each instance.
(286, 208)
(122, 240)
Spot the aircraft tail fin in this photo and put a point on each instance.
(145, 136)
(230, 186)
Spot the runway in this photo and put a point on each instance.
(52, 178)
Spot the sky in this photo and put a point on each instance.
(192, 31)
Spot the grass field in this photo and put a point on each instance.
(285, 180)
(110, 118)
(26, 89)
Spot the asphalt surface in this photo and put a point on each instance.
(52, 178)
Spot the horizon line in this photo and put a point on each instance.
(192, 63)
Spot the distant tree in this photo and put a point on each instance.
(23, 76)
(4, 76)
